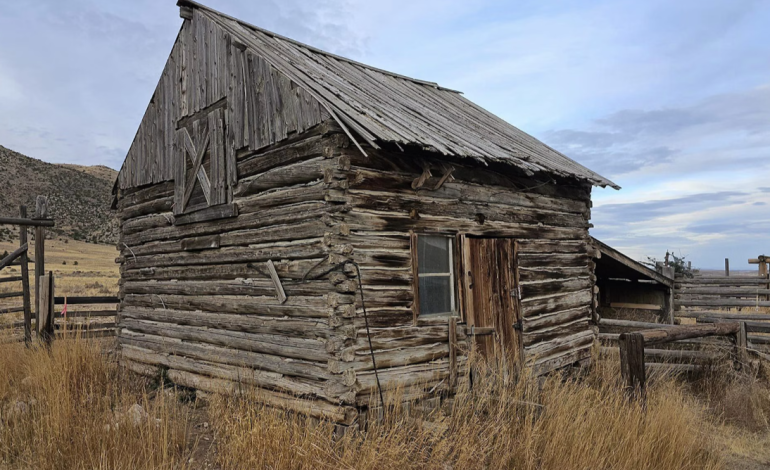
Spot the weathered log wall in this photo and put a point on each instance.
(198, 299)
(549, 221)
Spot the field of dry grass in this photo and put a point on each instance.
(75, 408)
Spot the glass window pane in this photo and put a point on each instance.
(435, 295)
(432, 254)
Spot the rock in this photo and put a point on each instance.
(136, 414)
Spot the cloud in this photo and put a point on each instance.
(731, 127)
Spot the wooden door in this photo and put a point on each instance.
(490, 293)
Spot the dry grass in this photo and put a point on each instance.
(69, 409)
(561, 423)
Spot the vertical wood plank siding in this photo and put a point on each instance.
(205, 67)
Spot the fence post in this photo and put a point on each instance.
(45, 330)
(41, 212)
(632, 363)
(727, 267)
(741, 345)
(25, 279)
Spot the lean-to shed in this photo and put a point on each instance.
(274, 190)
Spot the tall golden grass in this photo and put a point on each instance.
(558, 423)
(69, 408)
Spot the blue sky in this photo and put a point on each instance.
(671, 100)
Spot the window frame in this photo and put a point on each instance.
(452, 250)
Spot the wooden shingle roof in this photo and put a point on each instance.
(384, 107)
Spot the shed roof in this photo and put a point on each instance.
(614, 264)
(385, 107)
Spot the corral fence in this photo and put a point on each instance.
(52, 317)
(718, 318)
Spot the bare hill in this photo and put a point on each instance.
(78, 196)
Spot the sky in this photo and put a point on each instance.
(670, 100)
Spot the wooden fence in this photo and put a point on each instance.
(48, 321)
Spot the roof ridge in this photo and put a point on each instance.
(193, 4)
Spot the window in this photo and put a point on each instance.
(435, 274)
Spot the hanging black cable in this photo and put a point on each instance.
(369, 336)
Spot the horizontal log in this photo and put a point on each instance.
(635, 306)
(93, 300)
(298, 387)
(298, 249)
(305, 149)
(275, 216)
(86, 334)
(246, 287)
(719, 281)
(751, 326)
(533, 246)
(27, 222)
(708, 341)
(219, 212)
(565, 260)
(133, 197)
(733, 291)
(551, 319)
(305, 307)
(316, 409)
(554, 287)
(723, 316)
(147, 222)
(673, 354)
(277, 345)
(558, 345)
(286, 269)
(424, 204)
(610, 322)
(547, 334)
(11, 309)
(10, 279)
(296, 173)
(393, 358)
(483, 192)
(315, 191)
(234, 357)
(360, 219)
(758, 339)
(722, 303)
(674, 333)
(544, 365)
(673, 368)
(301, 328)
(153, 206)
(540, 273)
(87, 313)
(540, 305)
(11, 295)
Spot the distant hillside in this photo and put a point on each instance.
(78, 196)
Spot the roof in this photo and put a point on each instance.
(613, 263)
(385, 107)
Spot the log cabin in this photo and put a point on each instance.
(328, 231)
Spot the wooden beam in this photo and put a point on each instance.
(45, 309)
(221, 211)
(675, 333)
(276, 281)
(27, 222)
(636, 306)
(12, 257)
(86, 300)
(10, 279)
(41, 212)
(727, 267)
(452, 353)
